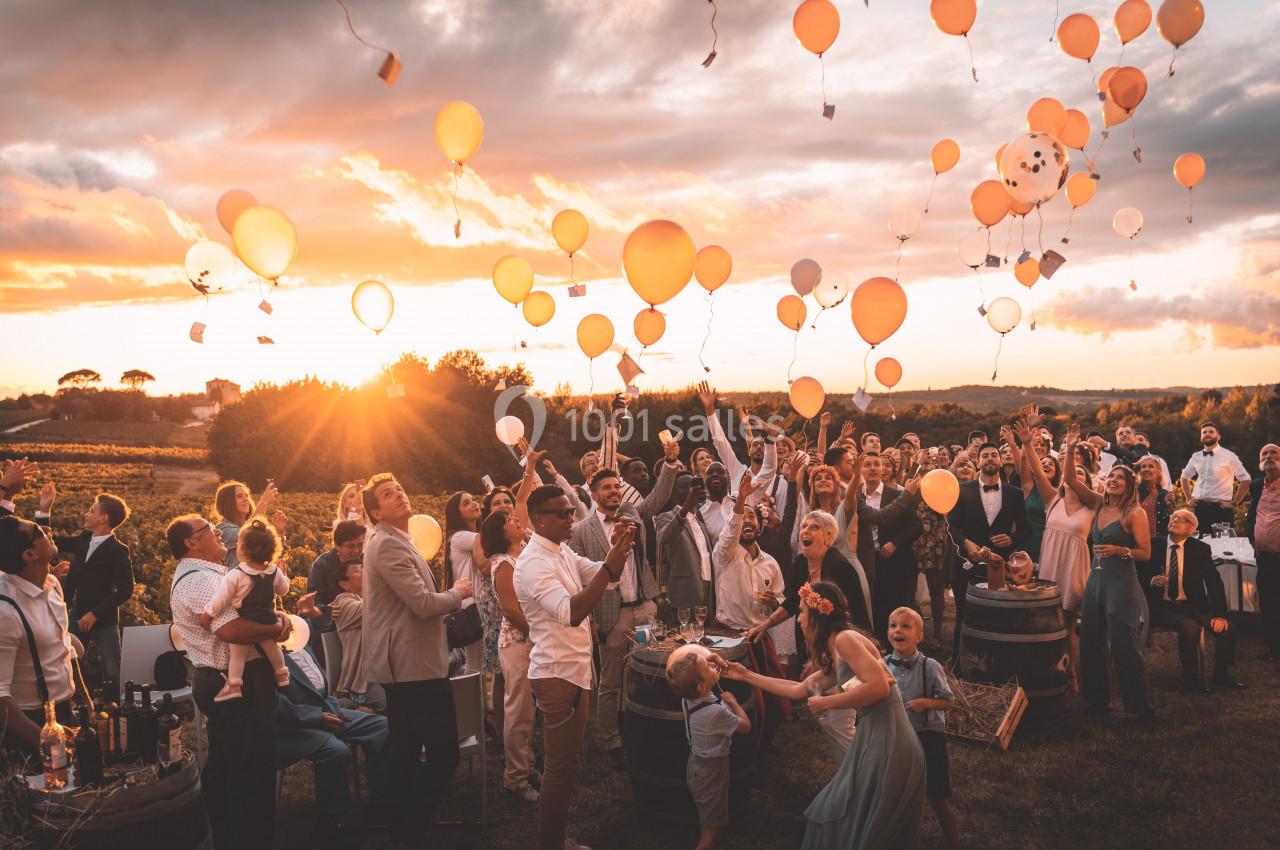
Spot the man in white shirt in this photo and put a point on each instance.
(762, 452)
(238, 783)
(718, 507)
(32, 599)
(749, 583)
(557, 590)
(1214, 480)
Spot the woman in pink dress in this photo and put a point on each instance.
(1064, 548)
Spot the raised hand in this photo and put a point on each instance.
(550, 468)
(16, 475)
(825, 419)
(798, 466)
(281, 522)
(708, 397)
(846, 429)
(1006, 434)
(746, 486)
(1022, 428)
(1031, 413)
(1073, 435)
(48, 493)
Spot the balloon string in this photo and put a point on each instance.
(1137, 150)
(1191, 197)
(1133, 274)
(897, 267)
(1033, 309)
(457, 224)
(1040, 235)
(715, 36)
(828, 110)
(1070, 217)
(929, 199)
(356, 34)
(865, 359)
(1022, 237)
(1120, 61)
(591, 373)
(995, 368)
(1008, 240)
(973, 67)
(1172, 59)
(1057, 10)
(795, 350)
(711, 314)
(573, 281)
(804, 432)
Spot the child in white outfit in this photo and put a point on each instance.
(251, 587)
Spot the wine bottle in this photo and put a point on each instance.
(665, 614)
(113, 752)
(147, 720)
(128, 727)
(53, 749)
(88, 751)
(102, 725)
(169, 741)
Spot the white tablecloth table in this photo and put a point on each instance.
(1234, 558)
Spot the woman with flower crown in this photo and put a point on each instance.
(876, 798)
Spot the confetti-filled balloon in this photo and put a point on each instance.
(1003, 314)
(210, 267)
(1127, 222)
(1034, 167)
(832, 289)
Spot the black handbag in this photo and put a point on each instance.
(464, 627)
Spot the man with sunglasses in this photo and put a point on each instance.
(38, 669)
(557, 590)
(238, 782)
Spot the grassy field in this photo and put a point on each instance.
(117, 433)
(1202, 776)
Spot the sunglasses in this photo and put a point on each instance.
(563, 513)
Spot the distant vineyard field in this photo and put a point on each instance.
(104, 453)
(116, 433)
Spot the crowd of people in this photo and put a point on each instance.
(825, 560)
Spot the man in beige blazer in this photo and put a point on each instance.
(407, 652)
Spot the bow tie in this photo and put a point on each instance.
(988, 488)
(903, 662)
(1207, 452)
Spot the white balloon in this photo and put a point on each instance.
(805, 275)
(1034, 167)
(1003, 314)
(972, 248)
(210, 266)
(831, 290)
(1128, 222)
(509, 430)
(904, 222)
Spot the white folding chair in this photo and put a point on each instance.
(332, 659)
(468, 705)
(140, 647)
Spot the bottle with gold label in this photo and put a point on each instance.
(54, 742)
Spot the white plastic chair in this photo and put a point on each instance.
(140, 647)
(332, 659)
(468, 705)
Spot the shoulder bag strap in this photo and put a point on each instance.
(42, 687)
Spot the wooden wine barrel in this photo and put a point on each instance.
(1018, 634)
(166, 814)
(654, 738)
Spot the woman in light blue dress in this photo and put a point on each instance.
(876, 798)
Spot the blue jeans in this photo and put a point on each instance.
(107, 637)
(330, 753)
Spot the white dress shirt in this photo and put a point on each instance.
(715, 515)
(992, 500)
(1173, 565)
(46, 613)
(736, 468)
(627, 582)
(1215, 474)
(699, 541)
(547, 576)
(740, 576)
(307, 664)
(189, 595)
(460, 557)
(874, 498)
(95, 541)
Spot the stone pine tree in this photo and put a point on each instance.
(135, 378)
(79, 379)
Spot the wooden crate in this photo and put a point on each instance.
(985, 714)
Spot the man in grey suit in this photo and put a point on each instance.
(684, 546)
(406, 650)
(627, 601)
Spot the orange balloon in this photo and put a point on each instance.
(1104, 79)
(1127, 87)
(1027, 272)
(569, 228)
(989, 202)
(538, 308)
(1080, 188)
(1047, 115)
(1000, 156)
(1112, 114)
(1076, 133)
(944, 156)
(888, 372)
(807, 396)
(1179, 20)
(954, 17)
(879, 306)
(595, 335)
(1188, 169)
(231, 204)
(791, 312)
(816, 24)
(1078, 36)
(712, 267)
(649, 326)
(1131, 19)
(1017, 207)
(658, 259)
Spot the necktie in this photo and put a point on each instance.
(990, 488)
(1175, 556)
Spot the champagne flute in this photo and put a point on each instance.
(684, 616)
(700, 619)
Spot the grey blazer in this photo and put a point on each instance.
(679, 562)
(404, 632)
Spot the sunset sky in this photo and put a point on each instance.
(123, 123)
